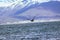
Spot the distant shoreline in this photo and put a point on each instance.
(28, 21)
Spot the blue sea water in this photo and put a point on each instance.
(31, 31)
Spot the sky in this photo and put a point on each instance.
(12, 10)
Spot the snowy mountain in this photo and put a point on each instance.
(52, 5)
(13, 7)
(44, 10)
(28, 9)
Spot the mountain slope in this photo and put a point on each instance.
(46, 10)
(51, 8)
(52, 5)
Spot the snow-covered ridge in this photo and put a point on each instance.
(28, 21)
(22, 3)
(2, 4)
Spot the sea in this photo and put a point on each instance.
(31, 31)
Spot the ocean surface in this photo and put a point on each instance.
(31, 31)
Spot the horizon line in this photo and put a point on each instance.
(28, 21)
